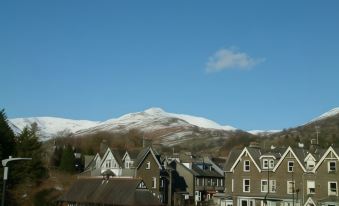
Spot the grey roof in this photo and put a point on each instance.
(141, 156)
(115, 191)
(88, 159)
(232, 157)
(255, 153)
(118, 154)
(203, 170)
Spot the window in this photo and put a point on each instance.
(273, 186)
(246, 165)
(332, 188)
(154, 182)
(162, 184)
(229, 202)
(265, 164)
(246, 185)
(310, 187)
(246, 203)
(221, 182)
(271, 164)
(331, 166)
(108, 163)
(142, 185)
(148, 165)
(232, 185)
(290, 166)
(290, 187)
(264, 185)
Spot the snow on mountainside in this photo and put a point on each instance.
(50, 126)
(149, 120)
(154, 119)
(330, 113)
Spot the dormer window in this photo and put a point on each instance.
(271, 164)
(332, 167)
(290, 166)
(246, 166)
(148, 165)
(268, 164)
(265, 164)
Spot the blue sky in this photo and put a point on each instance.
(252, 65)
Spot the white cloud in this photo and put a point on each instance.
(225, 59)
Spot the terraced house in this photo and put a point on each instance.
(282, 177)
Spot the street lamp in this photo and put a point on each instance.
(4, 163)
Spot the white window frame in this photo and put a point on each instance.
(330, 193)
(265, 164)
(293, 187)
(262, 186)
(244, 185)
(154, 182)
(329, 166)
(148, 165)
(271, 164)
(290, 168)
(273, 186)
(245, 165)
(232, 185)
(309, 183)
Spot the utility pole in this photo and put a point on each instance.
(317, 131)
(4, 164)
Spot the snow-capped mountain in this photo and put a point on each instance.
(168, 125)
(331, 113)
(50, 126)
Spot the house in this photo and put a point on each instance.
(281, 177)
(196, 180)
(108, 191)
(149, 167)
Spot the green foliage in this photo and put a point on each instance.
(7, 142)
(28, 145)
(67, 162)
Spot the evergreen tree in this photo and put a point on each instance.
(28, 145)
(67, 163)
(56, 157)
(7, 141)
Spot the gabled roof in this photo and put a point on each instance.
(93, 161)
(309, 201)
(253, 153)
(232, 157)
(143, 154)
(116, 154)
(96, 191)
(329, 150)
(297, 155)
(132, 153)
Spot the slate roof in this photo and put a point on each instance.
(232, 157)
(115, 191)
(206, 172)
(141, 156)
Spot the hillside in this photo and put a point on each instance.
(325, 128)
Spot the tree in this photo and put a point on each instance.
(67, 162)
(28, 145)
(6, 137)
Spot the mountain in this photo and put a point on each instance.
(324, 129)
(154, 123)
(50, 126)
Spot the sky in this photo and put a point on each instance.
(249, 64)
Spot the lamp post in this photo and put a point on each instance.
(4, 163)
